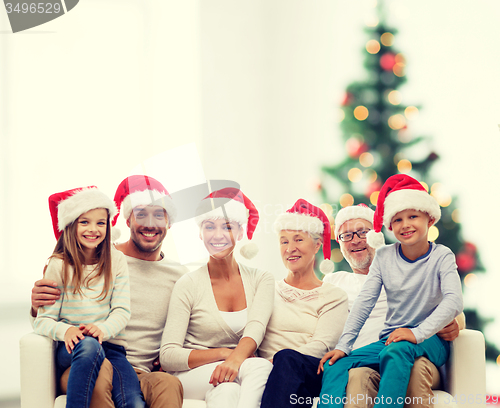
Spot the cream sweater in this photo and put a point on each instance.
(308, 321)
(195, 322)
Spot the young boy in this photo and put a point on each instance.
(423, 295)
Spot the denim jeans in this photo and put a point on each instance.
(85, 362)
(394, 362)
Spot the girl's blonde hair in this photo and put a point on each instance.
(70, 252)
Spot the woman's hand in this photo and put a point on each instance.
(92, 330)
(400, 335)
(333, 355)
(225, 372)
(71, 338)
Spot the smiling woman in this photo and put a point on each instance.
(222, 310)
(308, 314)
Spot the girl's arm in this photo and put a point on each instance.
(331, 320)
(47, 322)
(119, 313)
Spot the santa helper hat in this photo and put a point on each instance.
(304, 216)
(67, 206)
(352, 212)
(400, 192)
(142, 190)
(231, 204)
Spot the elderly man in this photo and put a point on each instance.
(148, 209)
(351, 226)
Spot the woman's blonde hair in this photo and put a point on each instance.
(70, 252)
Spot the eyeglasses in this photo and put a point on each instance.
(348, 236)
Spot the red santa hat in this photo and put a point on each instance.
(231, 204)
(142, 190)
(67, 206)
(352, 212)
(304, 216)
(400, 192)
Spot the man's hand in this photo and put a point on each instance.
(44, 293)
(157, 365)
(92, 330)
(400, 335)
(71, 338)
(450, 331)
(333, 355)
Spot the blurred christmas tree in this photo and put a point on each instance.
(378, 144)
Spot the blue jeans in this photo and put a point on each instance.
(85, 362)
(293, 381)
(394, 362)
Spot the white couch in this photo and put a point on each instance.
(465, 370)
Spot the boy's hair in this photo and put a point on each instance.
(70, 252)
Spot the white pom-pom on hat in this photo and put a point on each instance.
(375, 239)
(249, 250)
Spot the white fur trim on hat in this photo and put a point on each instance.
(407, 199)
(79, 203)
(149, 197)
(298, 222)
(234, 210)
(375, 239)
(352, 212)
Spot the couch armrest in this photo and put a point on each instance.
(38, 371)
(467, 369)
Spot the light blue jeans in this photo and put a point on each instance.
(394, 362)
(85, 362)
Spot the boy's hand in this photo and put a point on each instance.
(92, 330)
(333, 355)
(71, 338)
(400, 335)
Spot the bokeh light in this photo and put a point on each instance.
(373, 46)
(444, 199)
(354, 175)
(396, 122)
(424, 185)
(340, 115)
(374, 197)
(371, 21)
(470, 280)
(433, 233)
(360, 112)
(327, 209)
(404, 166)
(387, 39)
(346, 200)
(366, 159)
(337, 255)
(399, 70)
(394, 97)
(370, 175)
(455, 215)
(411, 112)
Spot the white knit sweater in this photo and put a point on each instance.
(195, 323)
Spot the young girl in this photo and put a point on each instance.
(94, 307)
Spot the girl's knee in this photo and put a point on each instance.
(88, 346)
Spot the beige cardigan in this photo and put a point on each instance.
(194, 321)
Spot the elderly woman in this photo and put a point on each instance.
(308, 315)
(219, 313)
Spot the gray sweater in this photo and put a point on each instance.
(423, 295)
(195, 322)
